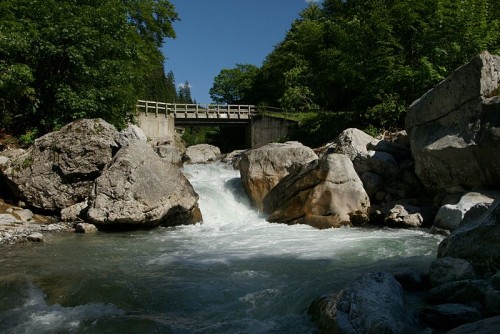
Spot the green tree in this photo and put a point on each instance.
(184, 93)
(234, 86)
(171, 92)
(373, 58)
(63, 60)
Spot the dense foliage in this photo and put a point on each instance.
(62, 60)
(373, 58)
(234, 86)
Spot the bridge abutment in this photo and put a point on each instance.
(156, 125)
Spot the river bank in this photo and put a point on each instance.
(18, 225)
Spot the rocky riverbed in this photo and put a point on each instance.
(441, 173)
(18, 225)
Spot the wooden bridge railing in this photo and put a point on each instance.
(196, 111)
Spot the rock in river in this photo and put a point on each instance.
(455, 128)
(477, 241)
(139, 188)
(58, 171)
(262, 168)
(373, 303)
(324, 193)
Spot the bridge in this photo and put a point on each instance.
(196, 114)
(158, 120)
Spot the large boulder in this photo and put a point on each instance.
(450, 216)
(132, 133)
(373, 303)
(59, 168)
(201, 153)
(363, 150)
(448, 316)
(477, 241)
(169, 153)
(139, 188)
(324, 193)
(454, 128)
(262, 168)
(486, 326)
(448, 269)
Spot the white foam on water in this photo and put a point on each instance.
(36, 316)
(232, 229)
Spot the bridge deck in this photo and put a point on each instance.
(185, 114)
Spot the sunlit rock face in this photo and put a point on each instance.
(324, 193)
(262, 168)
(139, 188)
(455, 128)
(58, 171)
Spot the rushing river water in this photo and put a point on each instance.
(235, 273)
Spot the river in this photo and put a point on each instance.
(235, 273)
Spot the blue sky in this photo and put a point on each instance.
(217, 34)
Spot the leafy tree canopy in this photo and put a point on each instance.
(371, 58)
(234, 86)
(62, 60)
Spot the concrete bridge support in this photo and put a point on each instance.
(266, 129)
(156, 125)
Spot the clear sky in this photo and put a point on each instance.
(217, 34)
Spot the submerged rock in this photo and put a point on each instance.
(138, 188)
(486, 326)
(324, 193)
(373, 303)
(448, 316)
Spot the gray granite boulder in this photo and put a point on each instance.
(373, 303)
(131, 133)
(404, 216)
(454, 128)
(477, 241)
(262, 168)
(447, 269)
(450, 216)
(201, 153)
(59, 169)
(324, 193)
(139, 189)
(354, 143)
